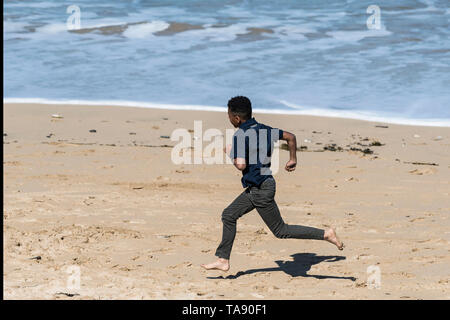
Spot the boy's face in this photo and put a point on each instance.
(234, 119)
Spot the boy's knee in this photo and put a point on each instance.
(281, 233)
(278, 234)
(227, 215)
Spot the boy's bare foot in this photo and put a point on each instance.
(221, 264)
(330, 236)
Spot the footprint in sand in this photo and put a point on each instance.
(12, 163)
(425, 171)
(364, 256)
(417, 219)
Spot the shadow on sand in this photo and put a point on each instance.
(301, 264)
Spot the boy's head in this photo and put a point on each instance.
(239, 110)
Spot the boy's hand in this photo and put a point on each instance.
(290, 165)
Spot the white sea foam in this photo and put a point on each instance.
(364, 115)
(116, 103)
(145, 30)
(217, 34)
(13, 26)
(34, 4)
(354, 36)
(225, 34)
(137, 31)
(53, 28)
(294, 110)
(293, 31)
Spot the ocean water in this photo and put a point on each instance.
(306, 57)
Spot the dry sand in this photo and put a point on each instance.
(112, 204)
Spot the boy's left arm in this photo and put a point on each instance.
(292, 145)
(239, 163)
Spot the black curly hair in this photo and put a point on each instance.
(240, 106)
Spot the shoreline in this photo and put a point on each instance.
(316, 112)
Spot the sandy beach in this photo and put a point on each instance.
(95, 191)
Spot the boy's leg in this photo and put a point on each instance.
(267, 208)
(240, 206)
(272, 218)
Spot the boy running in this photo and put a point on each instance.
(251, 151)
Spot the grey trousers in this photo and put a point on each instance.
(262, 199)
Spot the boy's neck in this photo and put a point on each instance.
(244, 121)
